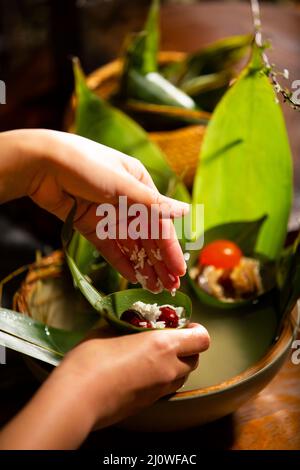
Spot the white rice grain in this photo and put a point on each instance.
(157, 254)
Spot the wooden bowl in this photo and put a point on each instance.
(242, 360)
(181, 146)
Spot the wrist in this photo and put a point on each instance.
(68, 419)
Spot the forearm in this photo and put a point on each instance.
(23, 159)
(57, 417)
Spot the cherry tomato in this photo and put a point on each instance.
(222, 254)
(169, 316)
(135, 318)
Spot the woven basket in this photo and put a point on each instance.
(181, 146)
(49, 267)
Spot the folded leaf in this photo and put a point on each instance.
(205, 83)
(245, 235)
(83, 252)
(140, 78)
(154, 88)
(205, 75)
(112, 306)
(220, 56)
(23, 334)
(245, 170)
(147, 45)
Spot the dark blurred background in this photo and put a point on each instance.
(37, 40)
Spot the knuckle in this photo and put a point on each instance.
(162, 344)
(168, 375)
(156, 197)
(140, 166)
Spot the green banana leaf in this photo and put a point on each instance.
(112, 306)
(245, 169)
(140, 79)
(99, 121)
(33, 338)
(245, 235)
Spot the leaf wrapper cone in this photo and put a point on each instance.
(245, 235)
(112, 306)
(141, 79)
(205, 75)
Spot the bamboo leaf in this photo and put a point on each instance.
(220, 56)
(97, 120)
(204, 83)
(147, 42)
(254, 177)
(154, 88)
(140, 78)
(23, 334)
(205, 75)
(83, 252)
(29, 349)
(244, 234)
(93, 265)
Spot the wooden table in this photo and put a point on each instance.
(272, 419)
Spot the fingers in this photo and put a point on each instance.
(144, 271)
(174, 386)
(139, 192)
(111, 251)
(170, 249)
(192, 340)
(163, 262)
(160, 266)
(187, 365)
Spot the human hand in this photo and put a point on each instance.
(131, 372)
(64, 166)
(101, 382)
